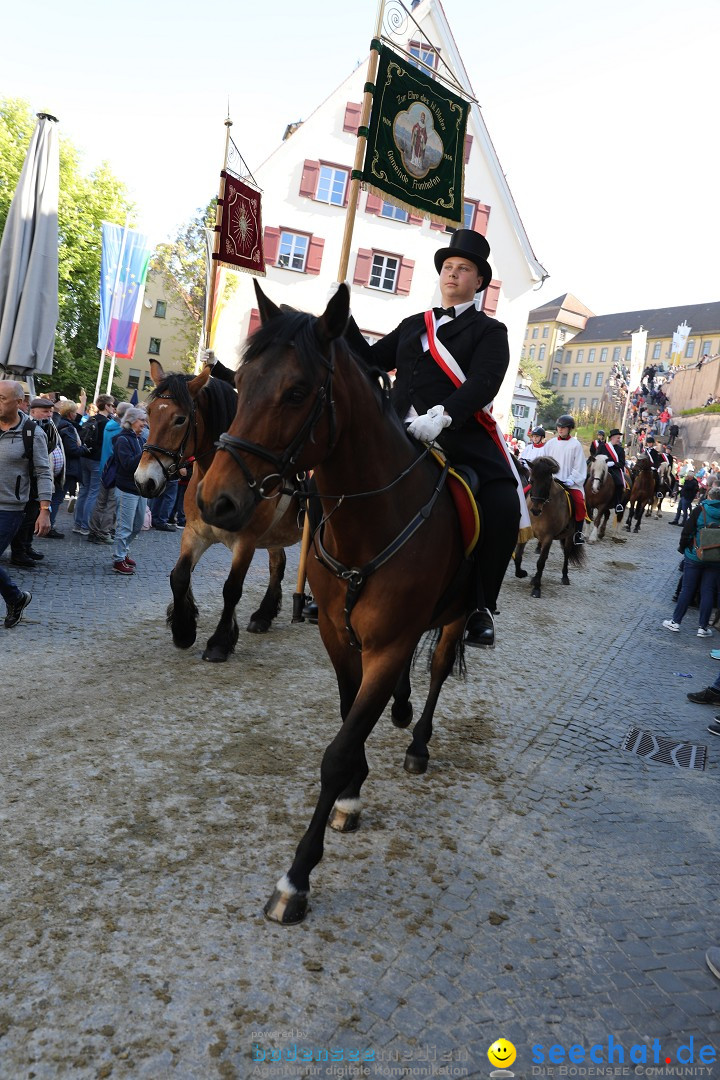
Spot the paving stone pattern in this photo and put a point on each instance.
(538, 884)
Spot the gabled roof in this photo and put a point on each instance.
(659, 323)
(561, 309)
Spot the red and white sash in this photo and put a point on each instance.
(447, 363)
(613, 453)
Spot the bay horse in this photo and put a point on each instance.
(600, 497)
(552, 518)
(662, 488)
(642, 492)
(388, 562)
(187, 416)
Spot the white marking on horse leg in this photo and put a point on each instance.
(593, 535)
(349, 806)
(286, 886)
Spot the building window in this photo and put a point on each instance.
(148, 384)
(535, 331)
(160, 309)
(690, 350)
(616, 354)
(657, 347)
(628, 354)
(563, 379)
(586, 378)
(292, 252)
(591, 356)
(556, 377)
(706, 349)
(520, 410)
(331, 185)
(576, 378)
(579, 357)
(425, 55)
(568, 356)
(603, 355)
(154, 346)
(395, 212)
(541, 352)
(532, 352)
(526, 333)
(469, 209)
(599, 378)
(571, 402)
(383, 272)
(594, 404)
(546, 331)
(582, 404)
(134, 379)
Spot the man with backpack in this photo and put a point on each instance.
(21, 549)
(91, 435)
(17, 461)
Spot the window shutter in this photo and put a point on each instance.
(352, 117)
(491, 297)
(405, 274)
(254, 321)
(468, 148)
(438, 226)
(308, 183)
(373, 204)
(482, 215)
(271, 244)
(314, 255)
(363, 264)
(414, 219)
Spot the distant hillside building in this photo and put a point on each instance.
(305, 184)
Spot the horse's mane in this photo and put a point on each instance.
(217, 400)
(297, 329)
(542, 465)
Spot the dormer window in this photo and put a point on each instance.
(425, 56)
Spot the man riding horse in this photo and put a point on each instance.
(450, 364)
(615, 454)
(568, 453)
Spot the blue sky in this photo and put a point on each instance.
(602, 114)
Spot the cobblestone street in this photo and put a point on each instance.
(538, 884)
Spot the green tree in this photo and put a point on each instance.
(85, 202)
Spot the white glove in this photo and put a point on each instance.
(208, 357)
(428, 427)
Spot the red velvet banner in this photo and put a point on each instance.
(241, 228)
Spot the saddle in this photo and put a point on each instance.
(463, 483)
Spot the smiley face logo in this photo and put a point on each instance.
(502, 1053)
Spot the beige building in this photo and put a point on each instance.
(167, 332)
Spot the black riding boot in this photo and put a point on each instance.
(480, 627)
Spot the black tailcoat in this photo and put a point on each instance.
(479, 345)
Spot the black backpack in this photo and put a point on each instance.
(89, 434)
(28, 436)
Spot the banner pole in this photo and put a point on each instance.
(360, 152)
(216, 242)
(118, 268)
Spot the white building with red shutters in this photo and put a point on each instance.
(305, 184)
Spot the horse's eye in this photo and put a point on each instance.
(295, 395)
(179, 420)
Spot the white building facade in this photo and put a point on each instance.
(305, 184)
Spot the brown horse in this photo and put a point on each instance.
(662, 488)
(600, 497)
(187, 416)
(642, 492)
(552, 518)
(388, 556)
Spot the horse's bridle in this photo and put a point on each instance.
(178, 459)
(284, 463)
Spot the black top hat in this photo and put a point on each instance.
(615, 431)
(468, 244)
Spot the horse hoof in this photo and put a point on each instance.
(342, 820)
(286, 908)
(565, 579)
(416, 764)
(636, 530)
(521, 573)
(258, 626)
(215, 655)
(536, 592)
(401, 715)
(183, 642)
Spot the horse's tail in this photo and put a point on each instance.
(426, 648)
(576, 555)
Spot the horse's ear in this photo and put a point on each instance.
(333, 321)
(199, 382)
(156, 372)
(267, 309)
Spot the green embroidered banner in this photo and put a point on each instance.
(416, 141)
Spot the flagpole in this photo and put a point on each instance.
(111, 374)
(353, 195)
(360, 151)
(216, 243)
(112, 305)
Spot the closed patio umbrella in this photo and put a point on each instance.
(29, 260)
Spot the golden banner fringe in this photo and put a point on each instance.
(524, 535)
(242, 269)
(411, 209)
